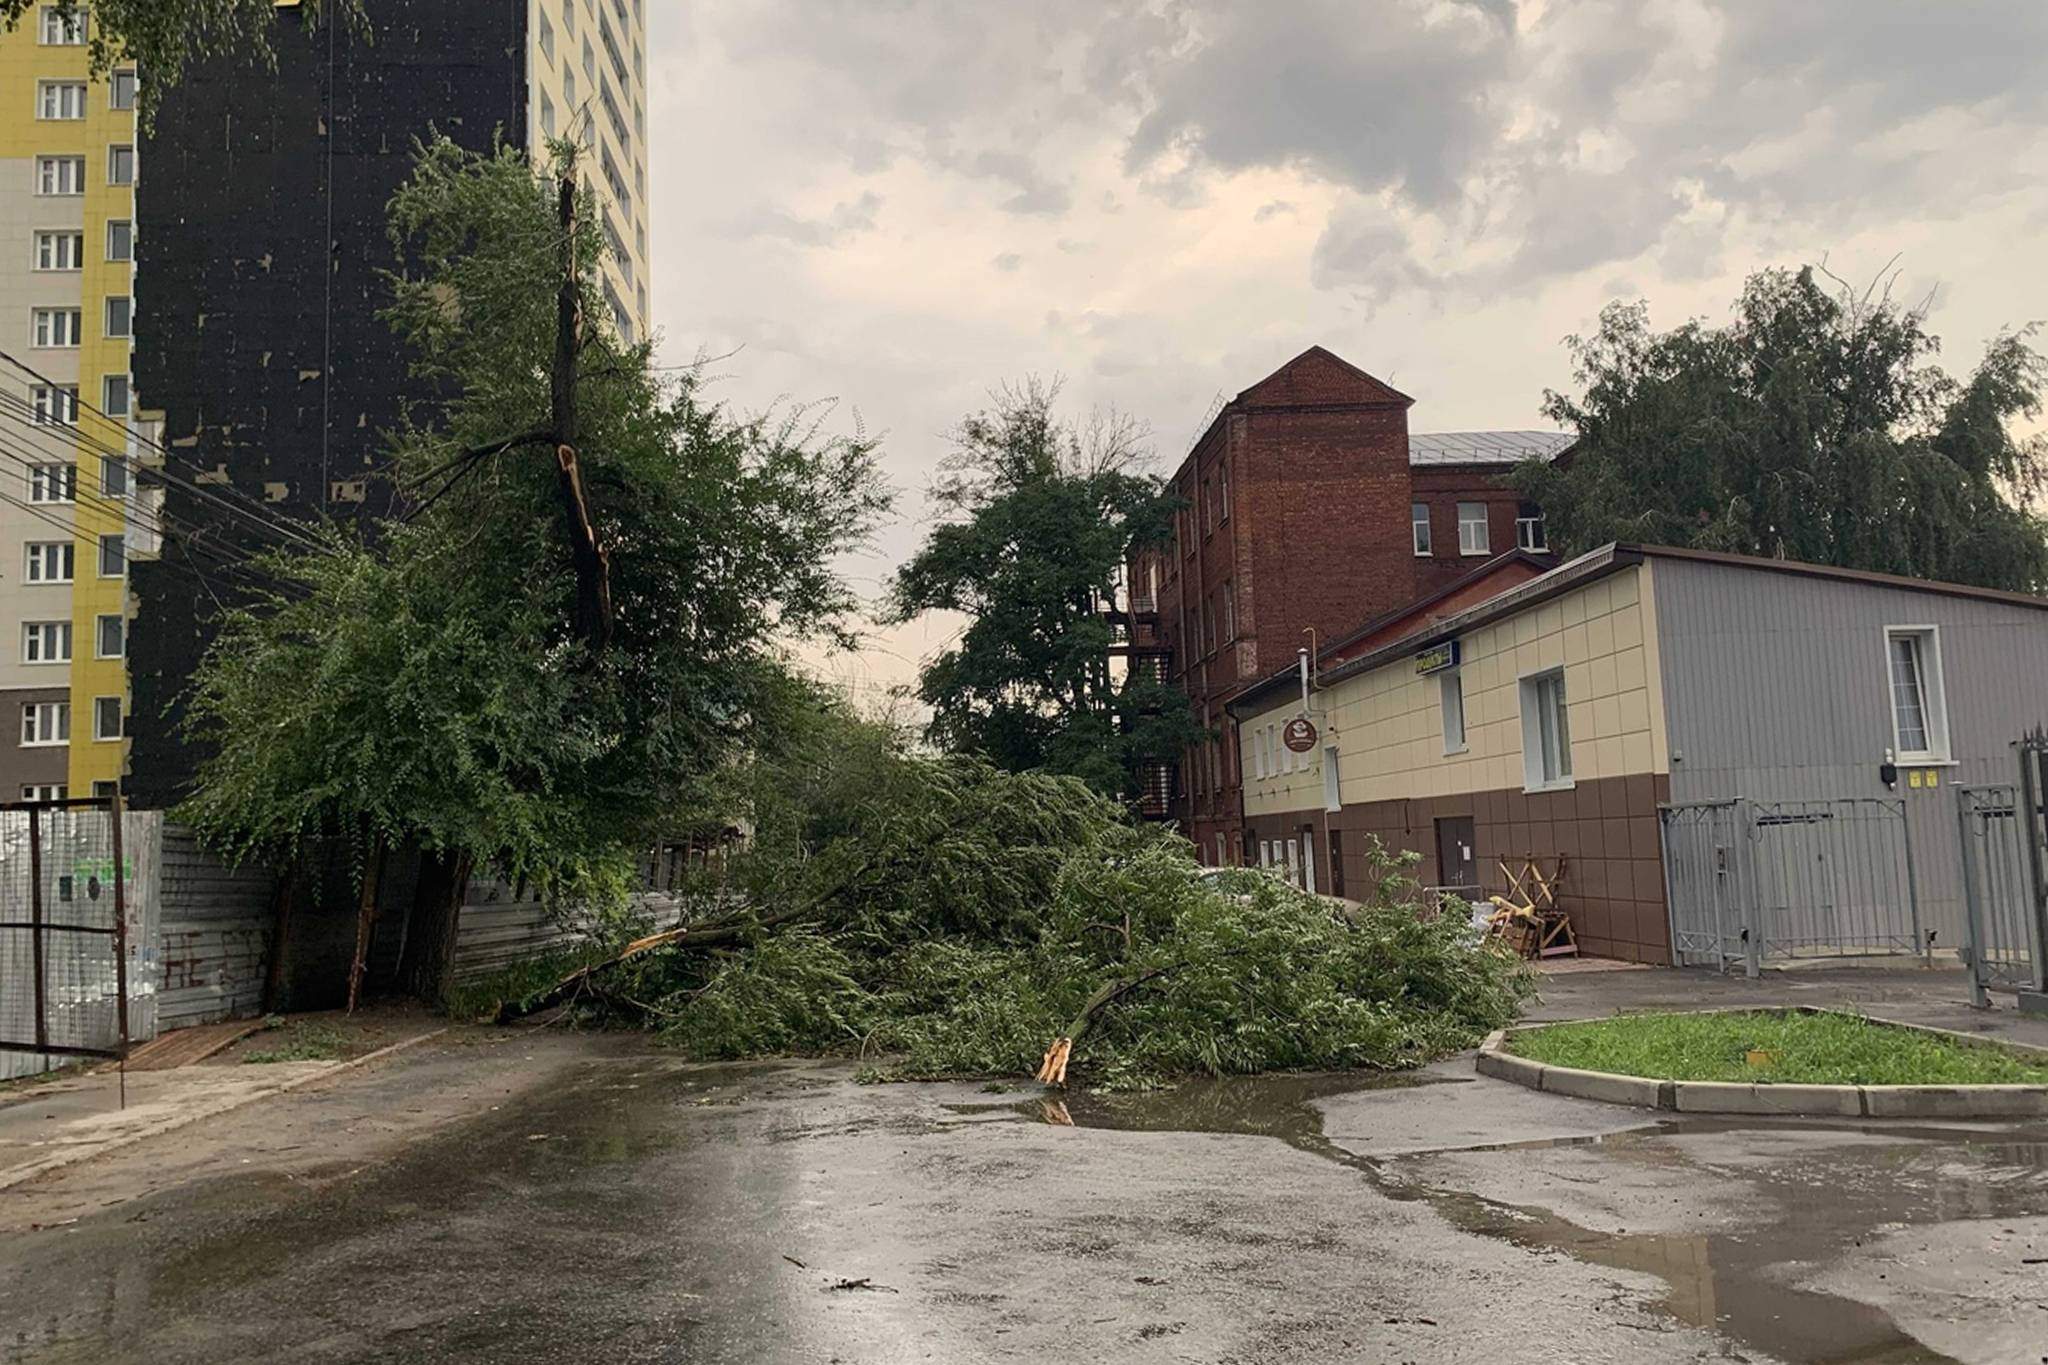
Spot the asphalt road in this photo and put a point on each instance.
(507, 1196)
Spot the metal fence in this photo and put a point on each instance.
(64, 933)
(1752, 881)
(2004, 832)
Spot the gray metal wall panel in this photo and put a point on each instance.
(216, 925)
(1776, 688)
(498, 929)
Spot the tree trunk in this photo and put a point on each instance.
(437, 906)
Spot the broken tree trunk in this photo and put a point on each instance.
(1053, 1069)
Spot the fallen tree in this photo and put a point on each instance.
(940, 918)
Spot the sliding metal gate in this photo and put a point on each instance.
(63, 932)
(2004, 830)
(1751, 881)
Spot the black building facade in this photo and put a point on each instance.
(261, 238)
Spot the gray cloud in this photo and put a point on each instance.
(1007, 262)
(844, 221)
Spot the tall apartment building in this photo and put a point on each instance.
(261, 239)
(1311, 518)
(67, 239)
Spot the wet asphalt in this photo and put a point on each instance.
(577, 1198)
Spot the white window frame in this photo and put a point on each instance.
(112, 405)
(47, 255)
(116, 88)
(1538, 748)
(47, 481)
(1473, 542)
(114, 149)
(127, 302)
(60, 176)
(120, 540)
(55, 405)
(129, 225)
(1333, 788)
(37, 568)
(99, 636)
(56, 31)
(44, 791)
(1933, 696)
(115, 488)
(1450, 702)
(60, 101)
(1420, 531)
(98, 732)
(41, 639)
(1531, 533)
(1287, 854)
(47, 328)
(58, 730)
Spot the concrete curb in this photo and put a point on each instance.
(1734, 1097)
(62, 1158)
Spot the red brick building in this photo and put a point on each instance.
(1311, 517)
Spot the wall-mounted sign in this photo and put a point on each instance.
(1299, 734)
(1438, 659)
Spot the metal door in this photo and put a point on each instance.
(1457, 864)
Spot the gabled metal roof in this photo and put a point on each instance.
(1486, 447)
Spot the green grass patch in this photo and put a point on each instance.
(479, 1001)
(1798, 1049)
(299, 1042)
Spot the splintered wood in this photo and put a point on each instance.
(1528, 918)
(1053, 1070)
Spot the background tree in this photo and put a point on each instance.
(1040, 516)
(161, 36)
(426, 682)
(1814, 426)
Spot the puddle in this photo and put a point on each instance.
(1738, 1283)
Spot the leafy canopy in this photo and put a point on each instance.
(1039, 517)
(1814, 426)
(424, 680)
(162, 36)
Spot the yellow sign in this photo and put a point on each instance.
(1913, 779)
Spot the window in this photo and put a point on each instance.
(1472, 528)
(49, 561)
(1222, 850)
(46, 722)
(60, 175)
(547, 38)
(56, 327)
(63, 30)
(1229, 611)
(1223, 492)
(46, 642)
(56, 404)
(1451, 701)
(114, 395)
(120, 165)
(1418, 521)
(120, 240)
(114, 476)
(1208, 507)
(1209, 627)
(111, 634)
(1546, 738)
(547, 115)
(113, 555)
(120, 316)
(121, 90)
(1529, 528)
(60, 99)
(1332, 798)
(106, 717)
(62, 250)
(48, 791)
(568, 86)
(105, 788)
(53, 483)
(1919, 708)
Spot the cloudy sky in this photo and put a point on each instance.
(895, 204)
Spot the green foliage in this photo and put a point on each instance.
(301, 1041)
(1805, 1049)
(162, 36)
(425, 680)
(1814, 427)
(966, 915)
(1040, 518)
